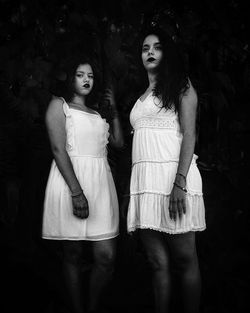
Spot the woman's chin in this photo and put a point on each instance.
(83, 93)
(151, 69)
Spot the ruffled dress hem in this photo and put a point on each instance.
(148, 210)
(165, 230)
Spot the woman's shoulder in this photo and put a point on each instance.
(55, 108)
(55, 101)
(190, 95)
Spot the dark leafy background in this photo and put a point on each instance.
(37, 40)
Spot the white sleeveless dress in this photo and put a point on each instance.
(155, 156)
(87, 137)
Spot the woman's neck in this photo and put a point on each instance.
(151, 80)
(78, 102)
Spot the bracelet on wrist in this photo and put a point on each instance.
(179, 174)
(182, 188)
(76, 193)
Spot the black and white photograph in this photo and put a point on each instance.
(124, 150)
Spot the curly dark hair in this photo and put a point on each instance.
(70, 69)
(172, 78)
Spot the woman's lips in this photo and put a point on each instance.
(150, 59)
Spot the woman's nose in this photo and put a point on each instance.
(150, 51)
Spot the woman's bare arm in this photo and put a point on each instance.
(55, 123)
(187, 116)
(116, 138)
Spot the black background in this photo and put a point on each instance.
(37, 38)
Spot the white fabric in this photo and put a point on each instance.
(155, 156)
(87, 137)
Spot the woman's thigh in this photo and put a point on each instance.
(72, 251)
(183, 247)
(104, 251)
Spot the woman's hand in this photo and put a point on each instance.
(80, 206)
(177, 206)
(109, 97)
(116, 133)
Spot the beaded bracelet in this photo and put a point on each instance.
(76, 193)
(182, 188)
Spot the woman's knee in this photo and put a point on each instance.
(158, 262)
(183, 250)
(156, 250)
(105, 259)
(185, 259)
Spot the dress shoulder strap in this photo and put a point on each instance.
(65, 107)
(70, 128)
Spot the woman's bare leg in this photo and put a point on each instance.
(72, 274)
(183, 251)
(157, 254)
(104, 253)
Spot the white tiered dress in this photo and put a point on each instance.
(155, 156)
(87, 137)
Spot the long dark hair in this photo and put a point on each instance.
(172, 78)
(93, 98)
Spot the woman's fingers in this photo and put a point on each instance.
(85, 213)
(108, 91)
(184, 206)
(173, 209)
(80, 207)
(180, 207)
(109, 96)
(82, 212)
(177, 208)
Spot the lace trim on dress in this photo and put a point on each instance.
(165, 230)
(149, 122)
(106, 126)
(154, 161)
(70, 131)
(195, 157)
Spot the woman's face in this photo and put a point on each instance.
(83, 80)
(151, 52)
